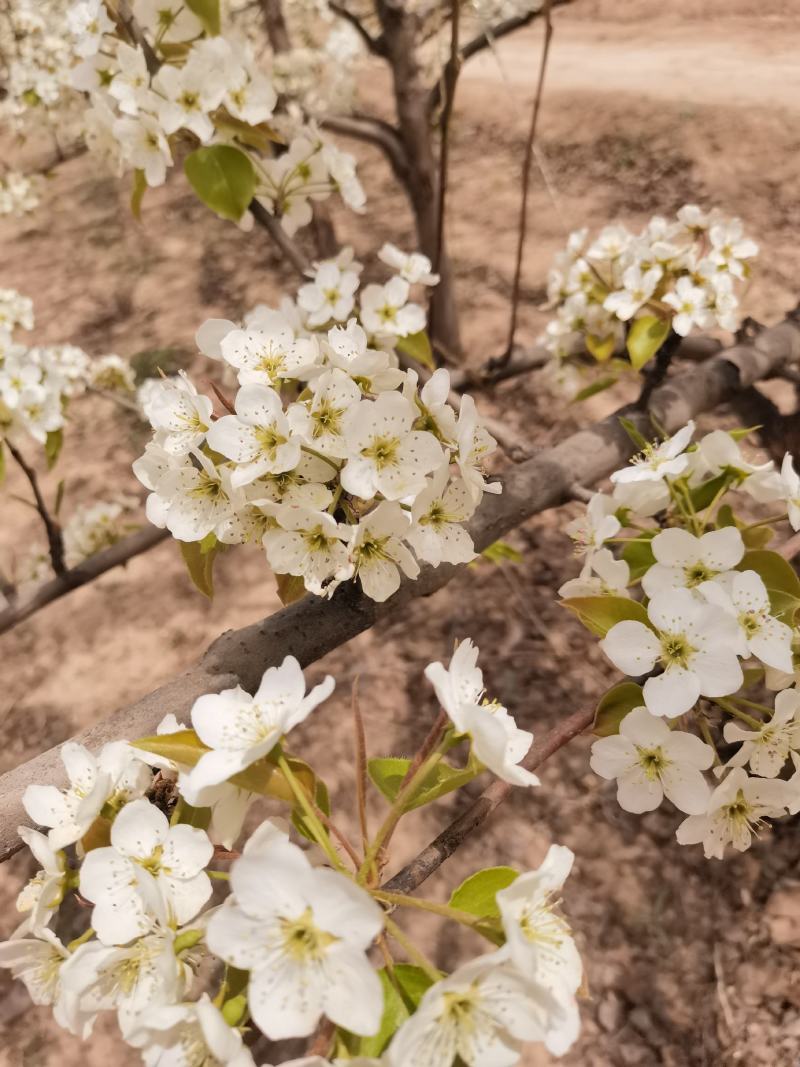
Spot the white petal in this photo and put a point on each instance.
(672, 693)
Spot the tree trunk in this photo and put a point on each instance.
(398, 32)
(275, 25)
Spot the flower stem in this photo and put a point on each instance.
(737, 714)
(400, 900)
(414, 954)
(314, 824)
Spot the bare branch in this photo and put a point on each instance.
(312, 627)
(375, 45)
(376, 132)
(284, 242)
(453, 836)
(134, 545)
(55, 542)
(526, 181)
(275, 25)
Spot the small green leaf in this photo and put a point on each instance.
(52, 447)
(199, 559)
(614, 705)
(599, 613)
(725, 516)
(187, 939)
(290, 588)
(630, 429)
(602, 348)
(233, 1010)
(592, 390)
(197, 817)
(639, 556)
(741, 433)
(500, 551)
(703, 495)
(223, 178)
(401, 998)
(208, 13)
(137, 194)
(477, 895)
(259, 137)
(183, 747)
(645, 337)
(418, 347)
(757, 536)
(387, 775)
(780, 578)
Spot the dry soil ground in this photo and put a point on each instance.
(689, 963)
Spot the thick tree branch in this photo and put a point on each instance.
(55, 542)
(454, 835)
(375, 45)
(376, 132)
(118, 554)
(312, 627)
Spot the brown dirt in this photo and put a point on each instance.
(689, 963)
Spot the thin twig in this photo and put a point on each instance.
(280, 237)
(55, 542)
(361, 765)
(376, 132)
(375, 45)
(526, 177)
(453, 836)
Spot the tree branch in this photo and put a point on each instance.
(312, 627)
(453, 836)
(275, 25)
(55, 542)
(115, 556)
(279, 236)
(375, 45)
(376, 132)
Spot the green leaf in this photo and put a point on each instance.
(592, 390)
(645, 337)
(199, 558)
(602, 348)
(418, 347)
(477, 894)
(639, 555)
(401, 998)
(630, 429)
(52, 447)
(183, 747)
(290, 588)
(725, 516)
(758, 536)
(783, 585)
(190, 816)
(614, 705)
(137, 193)
(233, 1010)
(259, 137)
(702, 496)
(388, 773)
(223, 178)
(208, 13)
(499, 551)
(599, 613)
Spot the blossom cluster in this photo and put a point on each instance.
(629, 290)
(142, 831)
(697, 612)
(38, 381)
(180, 83)
(19, 194)
(329, 455)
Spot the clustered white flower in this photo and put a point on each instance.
(684, 272)
(712, 602)
(181, 84)
(141, 836)
(329, 456)
(35, 42)
(19, 194)
(94, 527)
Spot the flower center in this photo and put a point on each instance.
(697, 573)
(303, 940)
(269, 440)
(383, 451)
(652, 761)
(676, 650)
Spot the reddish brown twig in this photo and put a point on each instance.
(55, 541)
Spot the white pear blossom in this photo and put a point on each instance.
(258, 437)
(773, 486)
(729, 247)
(385, 310)
(37, 962)
(685, 561)
(180, 414)
(151, 874)
(649, 761)
(474, 443)
(44, 892)
(385, 454)
(330, 296)
(538, 937)
(130, 86)
(598, 524)
(169, 20)
(658, 461)
(437, 534)
(413, 267)
(310, 544)
(606, 576)
(695, 643)
(198, 499)
(736, 810)
(433, 402)
(768, 748)
(718, 452)
(240, 729)
(496, 739)
(690, 303)
(144, 146)
(638, 286)
(185, 1035)
(482, 1012)
(187, 95)
(115, 777)
(302, 933)
(321, 422)
(268, 354)
(744, 596)
(88, 20)
(377, 552)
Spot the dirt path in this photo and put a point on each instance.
(722, 63)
